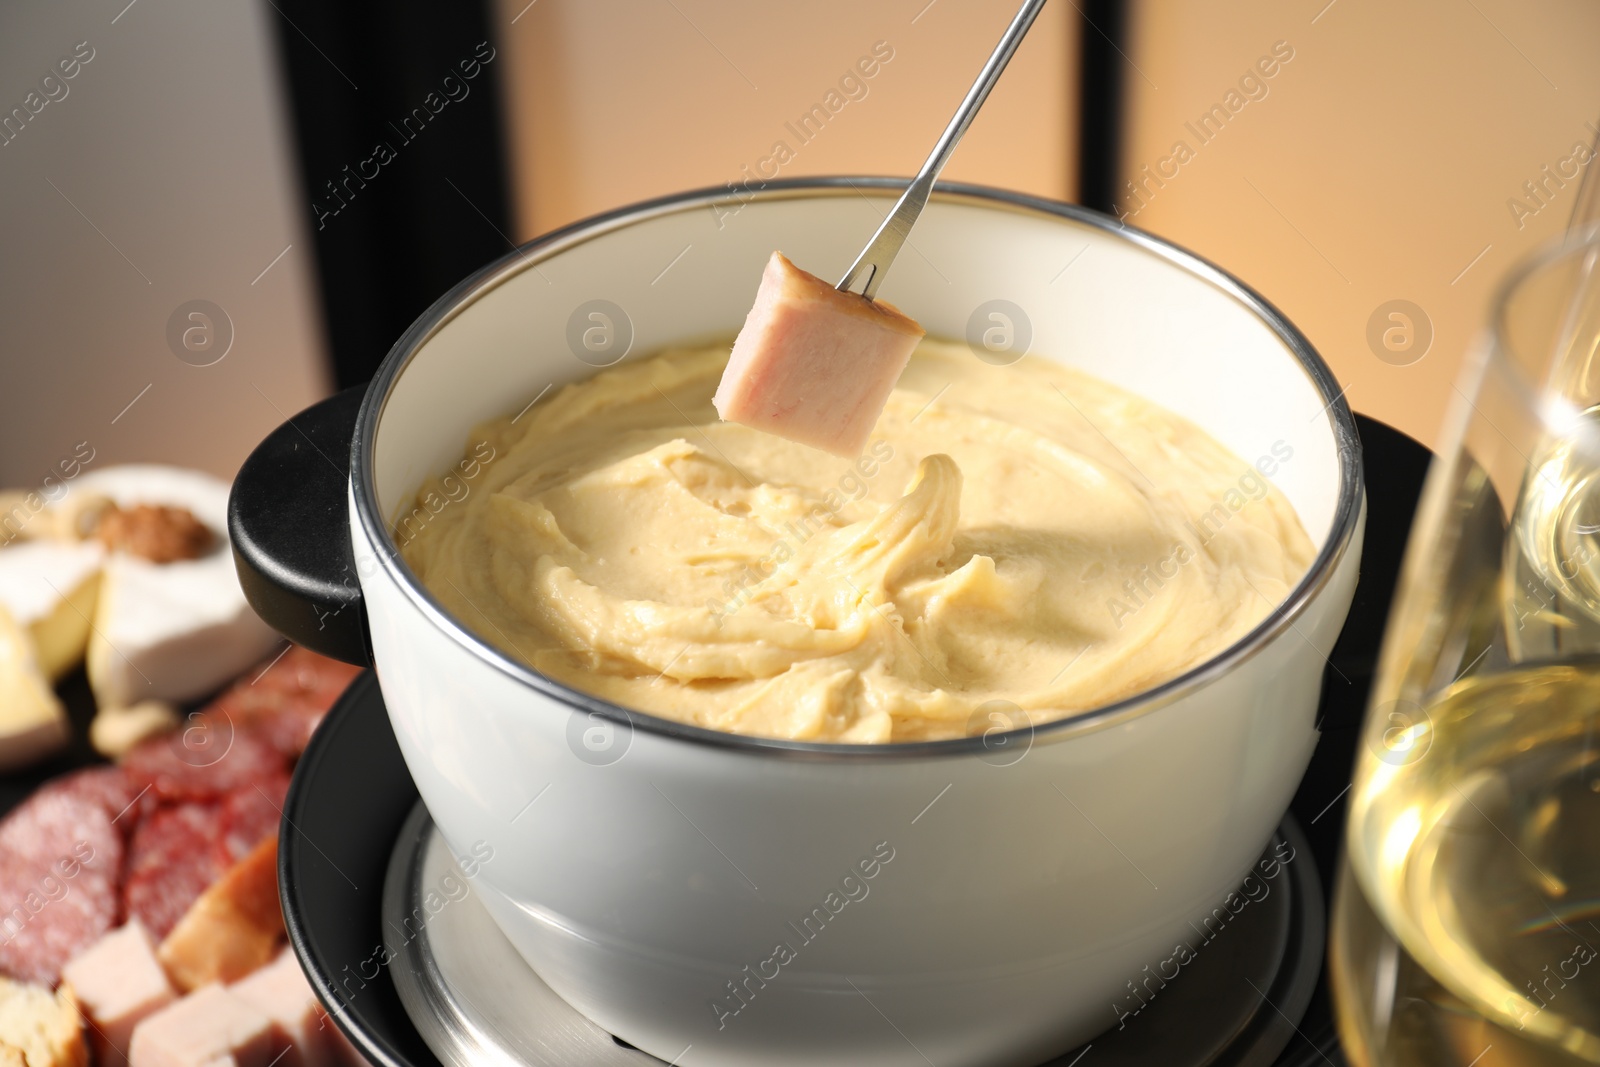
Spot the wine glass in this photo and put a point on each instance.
(1466, 928)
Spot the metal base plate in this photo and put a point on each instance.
(476, 1003)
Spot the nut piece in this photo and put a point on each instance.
(154, 532)
(117, 730)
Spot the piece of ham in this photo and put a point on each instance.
(813, 364)
(119, 983)
(208, 1028)
(281, 993)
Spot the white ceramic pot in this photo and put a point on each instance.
(716, 899)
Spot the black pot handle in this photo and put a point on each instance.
(289, 520)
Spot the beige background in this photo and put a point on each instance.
(163, 176)
(1376, 168)
(613, 101)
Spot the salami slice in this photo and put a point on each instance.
(181, 810)
(290, 730)
(249, 816)
(110, 787)
(285, 701)
(60, 861)
(316, 680)
(173, 858)
(209, 756)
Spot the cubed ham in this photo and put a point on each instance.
(118, 982)
(813, 364)
(281, 993)
(208, 1028)
(233, 928)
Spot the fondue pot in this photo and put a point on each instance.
(720, 899)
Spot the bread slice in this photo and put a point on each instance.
(39, 1028)
(233, 928)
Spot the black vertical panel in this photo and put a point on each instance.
(401, 157)
(1101, 70)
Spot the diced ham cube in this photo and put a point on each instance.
(118, 982)
(208, 1028)
(281, 993)
(813, 364)
(233, 928)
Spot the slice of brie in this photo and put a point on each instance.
(50, 587)
(170, 631)
(33, 724)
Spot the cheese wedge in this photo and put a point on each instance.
(170, 631)
(33, 724)
(50, 589)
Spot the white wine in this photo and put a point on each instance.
(1552, 564)
(1467, 925)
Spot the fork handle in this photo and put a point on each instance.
(873, 262)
